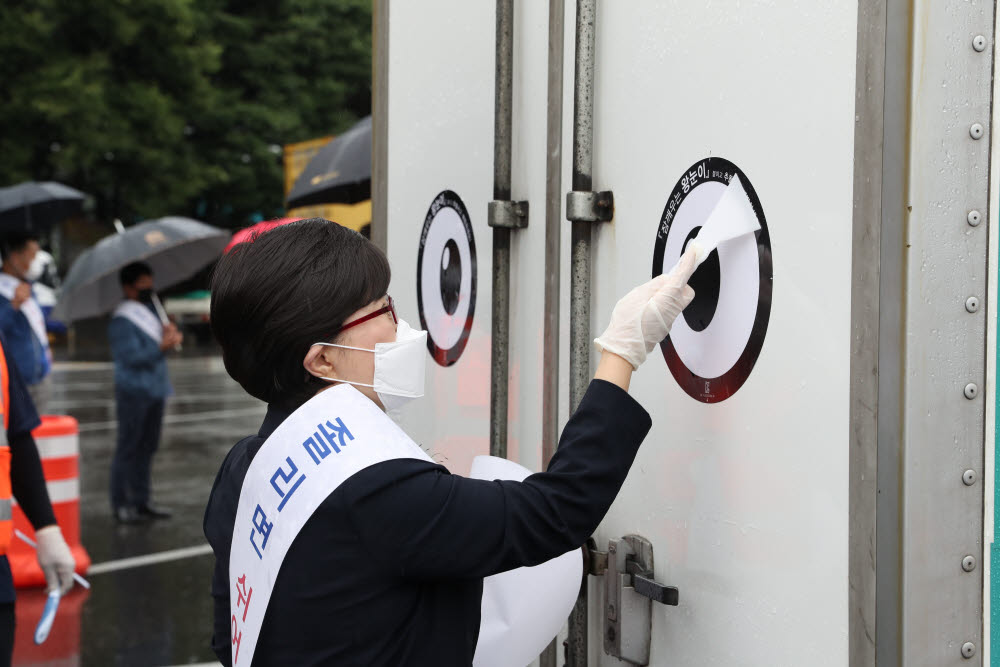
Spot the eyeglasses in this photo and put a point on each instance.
(389, 307)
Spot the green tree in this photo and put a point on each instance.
(293, 70)
(161, 107)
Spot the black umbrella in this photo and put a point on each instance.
(175, 248)
(34, 207)
(340, 173)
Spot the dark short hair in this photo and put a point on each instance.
(289, 288)
(132, 272)
(15, 242)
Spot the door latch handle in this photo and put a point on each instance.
(644, 585)
(630, 591)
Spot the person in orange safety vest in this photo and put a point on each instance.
(21, 477)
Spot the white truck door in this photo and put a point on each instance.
(742, 485)
(440, 181)
(824, 377)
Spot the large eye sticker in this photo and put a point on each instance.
(446, 278)
(714, 345)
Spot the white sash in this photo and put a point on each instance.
(336, 434)
(30, 308)
(142, 317)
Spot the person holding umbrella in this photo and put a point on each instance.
(171, 249)
(21, 319)
(139, 343)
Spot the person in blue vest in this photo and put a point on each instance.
(139, 343)
(21, 319)
(387, 567)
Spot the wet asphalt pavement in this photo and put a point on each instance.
(142, 614)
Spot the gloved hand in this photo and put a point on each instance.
(643, 317)
(55, 559)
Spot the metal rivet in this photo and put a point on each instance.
(972, 304)
(969, 477)
(975, 217)
(968, 650)
(968, 563)
(971, 391)
(979, 43)
(976, 131)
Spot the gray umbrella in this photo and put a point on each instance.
(175, 248)
(34, 206)
(340, 172)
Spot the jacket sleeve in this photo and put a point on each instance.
(422, 522)
(128, 346)
(28, 481)
(8, 316)
(218, 528)
(27, 478)
(221, 626)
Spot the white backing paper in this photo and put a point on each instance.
(713, 351)
(731, 218)
(523, 609)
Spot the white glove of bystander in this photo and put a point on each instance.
(55, 559)
(643, 317)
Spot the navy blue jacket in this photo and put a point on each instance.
(22, 345)
(140, 364)
(389, 569)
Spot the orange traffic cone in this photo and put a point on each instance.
(58, 440)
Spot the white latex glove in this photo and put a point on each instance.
(643, 317)
(55, 559)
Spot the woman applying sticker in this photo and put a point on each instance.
(337, 540)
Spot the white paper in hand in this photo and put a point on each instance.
(523, 609)
(731, 218)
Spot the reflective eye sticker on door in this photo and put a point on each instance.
(446, 278)
(714, 344)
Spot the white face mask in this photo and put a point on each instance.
(399, 367)
(37, 268)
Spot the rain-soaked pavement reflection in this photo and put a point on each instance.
(146, 614)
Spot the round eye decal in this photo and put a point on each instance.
(714, 345)
(451, 276)
(446, 278)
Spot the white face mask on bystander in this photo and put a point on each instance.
(399, 367)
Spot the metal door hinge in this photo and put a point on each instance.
(590, 206)
(595, 562)
(507, 214)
